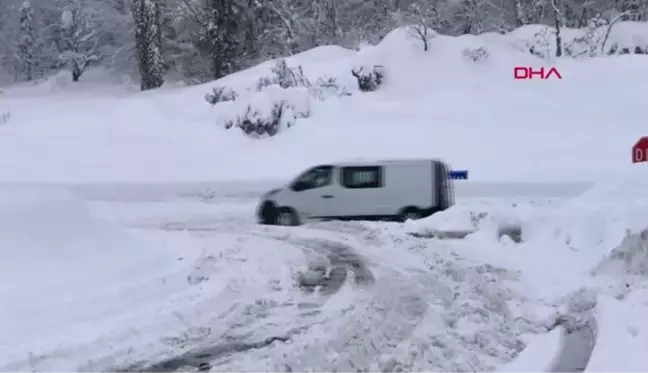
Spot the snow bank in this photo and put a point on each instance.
(58, 265)
(538, 355)
(596, 221)
(50, 241)
(600, 232)
(604, 216)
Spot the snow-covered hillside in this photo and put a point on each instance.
(438, 103)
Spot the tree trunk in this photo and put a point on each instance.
(558, 37)
(76, 73)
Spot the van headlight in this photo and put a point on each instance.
(270, 193)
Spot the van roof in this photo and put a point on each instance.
(367, 162)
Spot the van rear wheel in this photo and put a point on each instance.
(287, 217)
(410, 213)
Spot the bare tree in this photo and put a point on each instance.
(422, 20)
(558, 23)
(608, 31)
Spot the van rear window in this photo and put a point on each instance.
(362, 177)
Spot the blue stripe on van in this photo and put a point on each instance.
(458, 175)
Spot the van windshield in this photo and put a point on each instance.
(313, 178)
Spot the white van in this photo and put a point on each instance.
(375, 190)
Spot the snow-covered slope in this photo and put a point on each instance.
(437, 103)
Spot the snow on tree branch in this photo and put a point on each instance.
(79, 40)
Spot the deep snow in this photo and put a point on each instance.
(128, 239)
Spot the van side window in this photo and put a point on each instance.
(316, 177)
(362, 177)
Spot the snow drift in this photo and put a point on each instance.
(596, 242)
(48, 239)
(60, 266)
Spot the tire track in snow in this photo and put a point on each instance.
(576, 350)
(465, 325)
(396, 312)
(342, 259)
(382, 316)
(579, 333)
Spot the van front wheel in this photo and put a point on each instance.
(287, 217)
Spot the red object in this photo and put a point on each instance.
(640, 150)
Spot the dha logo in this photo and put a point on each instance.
(528, 73)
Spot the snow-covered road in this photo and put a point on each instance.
(224, 294)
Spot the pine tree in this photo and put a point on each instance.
(148, 43)
(26, 40)
(221, 36)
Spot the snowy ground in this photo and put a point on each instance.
(219, 290)
(183, 280)
(128, 240)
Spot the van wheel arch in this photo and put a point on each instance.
(284, 212)
(410, 213)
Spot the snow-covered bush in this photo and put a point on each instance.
(599, 38)
(221, 94)
(591, 43)
(630, 257)
(614, 49)
(284, 77)
(326, 87)
(476, 54)
(288, 77)
(291, 77)
(278, 102)
(264, 82)
(542, 45)
(369, 79)
(256, 123)
(266, 113)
